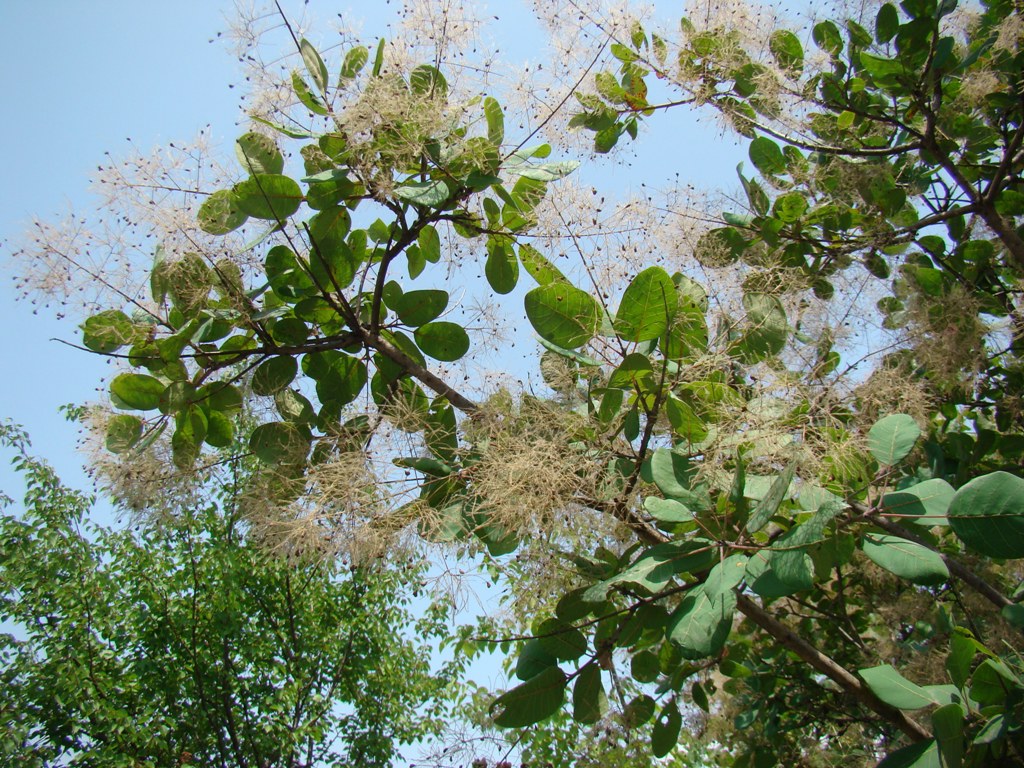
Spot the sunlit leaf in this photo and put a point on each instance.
(563, 314)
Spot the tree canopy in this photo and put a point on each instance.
(185, 643)
(724, 500)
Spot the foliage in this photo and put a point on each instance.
(746, 528)
(187, 645)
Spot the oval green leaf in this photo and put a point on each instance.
(563, 314)
(136, 391)
(274, 374)
(123, 432)
(767, 157)
(906, 559)
(279, 443)
(268, 196)
(647, 306)
(501, 268)
(417, 308)
(108, 331)
(536, 699)
(220, 213)
(927, 502)
(442, 341)
(892, 438)
(988, 515)
(258, 153)
(589, 702)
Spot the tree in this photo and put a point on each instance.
(187, 644)
(705, 495)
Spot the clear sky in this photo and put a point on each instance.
(79, 79)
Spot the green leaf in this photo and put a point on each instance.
(667, 511)
(923, 754)
(123, 432)
(442, 340)
(416, 308)
(220, 430)
(769, 505)
(562, 641)
(962, 650)
(332, 263)
(906, 559)
(495, 121)
(701, 625)
(268, 196)
(310, 100)
(274, 374)
(655, 567)
(258, 153)
(634, 372)
(880, 67)
(647, 306)
(539, 268)
(787, 51)
(686, 424)
(501, 268)
(948, 727)
(220, 213)
(429, 193)
(894, 689)
(992, 681)
(108, 331)
(790, 207)
(563, 314)
(427, 80)
(569, 354)
(279, 443)
(887, 23)
(671, 472)
(533, 660)
(766, 330)
(720, 247)
(665, 734)
(926, 502)
(827, 37)
(767, 157)
(546, 172)
(645, 667)
(430, 244)
(535, 700)
(354, 62)
(378, 58)
(285, 275)
(291, 133)
(988, 515)
(187, 440)
(136, 391)
(725, 576)
(892, 438)
(314, 65)
(589, 702)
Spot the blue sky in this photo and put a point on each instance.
(80, 78)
